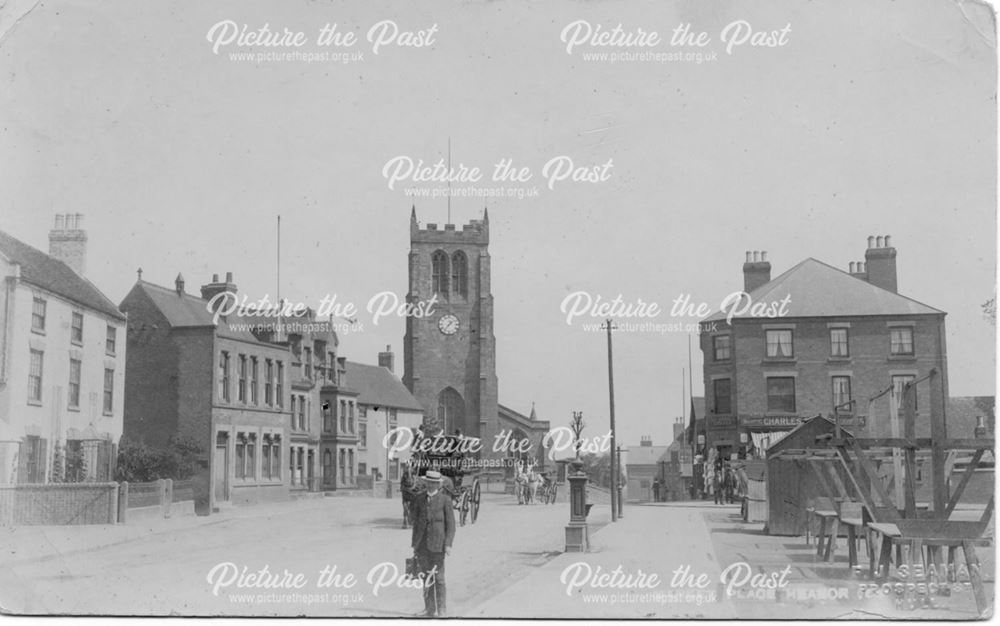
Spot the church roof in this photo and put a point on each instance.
(508, 413)
(51, 274)
(377, 386)
(820, 290)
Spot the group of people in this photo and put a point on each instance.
(717, 478)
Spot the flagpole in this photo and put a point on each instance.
(691, 390)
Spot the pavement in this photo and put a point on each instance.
(709, 564)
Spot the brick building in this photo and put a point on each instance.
(62, 363)
(843, 338)
(340, 436)
(313, 365)
(644, 464)
(216, 384)
(384, 404)
(449, 356)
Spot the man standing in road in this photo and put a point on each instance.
(433, 533)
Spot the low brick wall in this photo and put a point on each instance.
(58, 504)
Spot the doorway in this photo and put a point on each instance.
(220, 467)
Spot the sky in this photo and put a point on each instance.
(872, 118)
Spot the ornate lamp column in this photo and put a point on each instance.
(577, 533)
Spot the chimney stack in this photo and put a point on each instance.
(880, 263)
(68, 241)
(387, 360)
(857, 270)
(216, 287)
(756, 270)
(179, 284)
(646, 441)
(678, 429)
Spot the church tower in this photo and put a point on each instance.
(449, 357)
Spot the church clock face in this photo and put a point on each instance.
(448, 324)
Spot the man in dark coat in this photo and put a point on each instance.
(433, 533)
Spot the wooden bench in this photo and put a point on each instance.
(852, 516)
(825, 511)
(889, 536)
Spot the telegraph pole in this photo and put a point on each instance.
(614, 456)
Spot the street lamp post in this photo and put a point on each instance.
(618, 485)
(577, 426)
(611, 400)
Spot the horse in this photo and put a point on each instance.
(526, 483)
(406, 489)
(533, 480)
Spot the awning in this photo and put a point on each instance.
(764, 440)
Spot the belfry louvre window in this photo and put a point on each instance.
(460, 273)
(439, 272)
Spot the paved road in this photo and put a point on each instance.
(166, 573)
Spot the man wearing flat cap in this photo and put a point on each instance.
(433, 533)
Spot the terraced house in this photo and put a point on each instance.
(62, 363)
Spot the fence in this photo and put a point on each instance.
(58, 504)
(159, 499)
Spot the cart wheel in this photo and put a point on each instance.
(476, 495)
(463, 508)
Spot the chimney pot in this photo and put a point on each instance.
(215, 278)
(229, 277)
(871, 241)
(887, 245)
(68, 242)
(763, 255)
(851, 266)
(749, 256)
(756, 256)
(880, 265)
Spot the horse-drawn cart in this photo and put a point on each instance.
(448, 455)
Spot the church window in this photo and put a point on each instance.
(439, 267)
(460, 274)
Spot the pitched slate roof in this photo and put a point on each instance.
(821, 290)
(53, 275)
(188, 311)
(376, 386)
